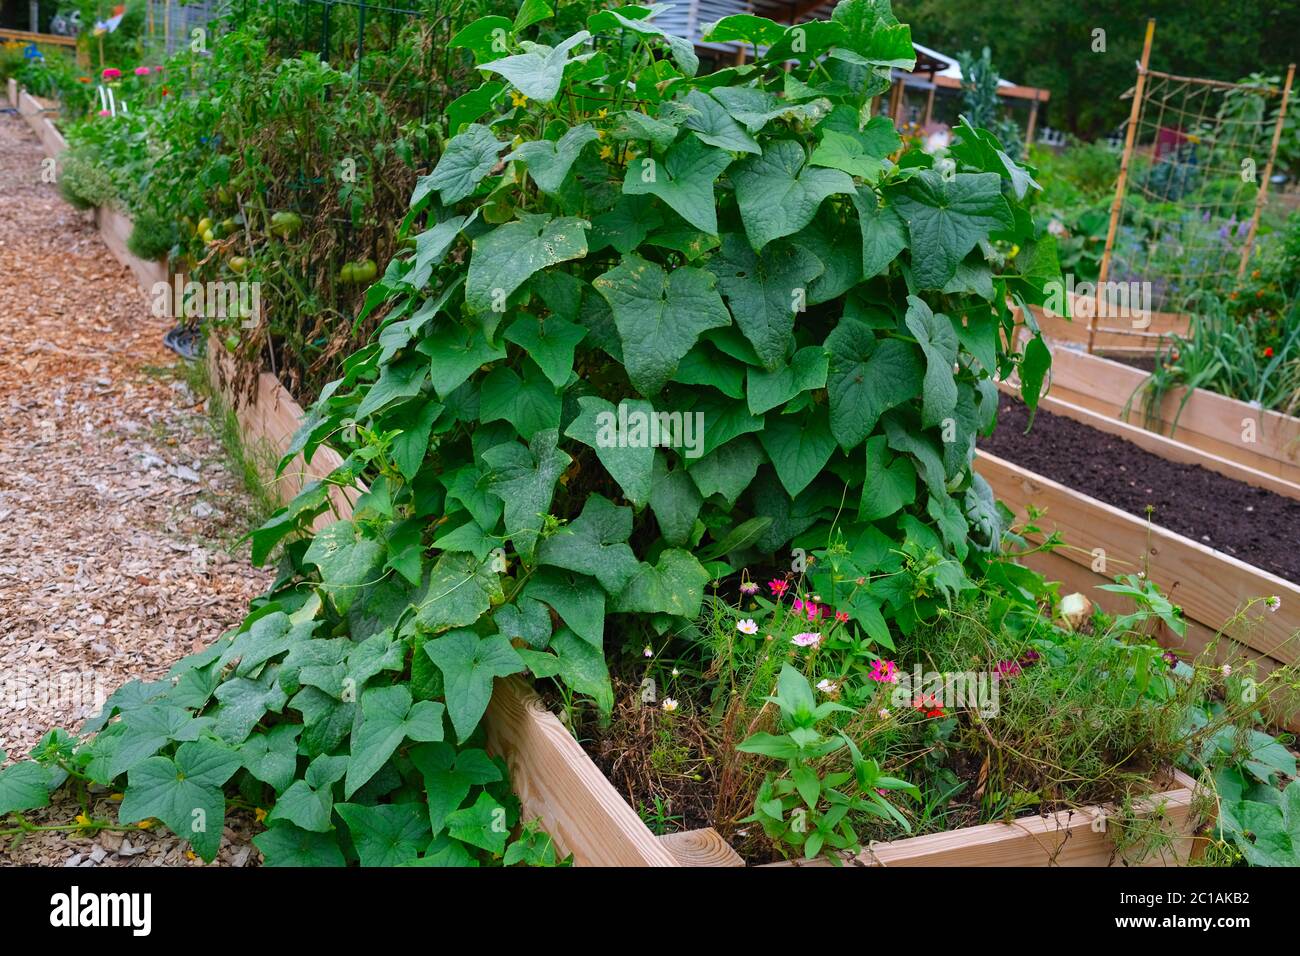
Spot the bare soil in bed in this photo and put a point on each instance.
(1252, 524)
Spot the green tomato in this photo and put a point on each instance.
(366, 271)
(208, 236)
(348, 274)
(238, 264)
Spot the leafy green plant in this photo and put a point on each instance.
(833, 321)
(86, 184)
(800, 807)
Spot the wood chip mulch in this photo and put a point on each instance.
(119, 516)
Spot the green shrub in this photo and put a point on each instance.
(610, 245)
(152, 235)
(85, 184)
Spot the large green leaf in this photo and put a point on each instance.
(578, 600)
(884, 234)
(675, 585)
(346, 560)
(24, 786)
(807, 370)
(710, 122)
(550, 343)
(595, 543)
(799, 447)
(549, 162)
(684, 180)
(388, 834)
(459, 592)
(287, 845)
(867, 377)
(938, 340)
(946, 218)
(524, 479)
(766, 291)
(272, 757)
(628, 463)
(889, 483)
(529, 403)
(388, 717)
(184, 793)
(538, 72)
(506, 257)
(461, 351)
(468, 664)
(778, 195)
(676, 503)
(467, 159)
(659, 315)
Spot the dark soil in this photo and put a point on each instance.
(1251, 524)
(1143, 363)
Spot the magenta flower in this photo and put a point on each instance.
(842, 616)
(885, 672)
(111, 73)
(104, 113)
(807, 639)
(142, 71)
(1006, 668)
(778, 587)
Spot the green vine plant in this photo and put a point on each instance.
(654, 327)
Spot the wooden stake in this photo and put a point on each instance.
(1115, 206)
(929, 105)
(1268, 172)
(1033, 124)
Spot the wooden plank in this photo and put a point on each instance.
(33, 113)
(26, 36)
(115, 230)
(1067, 838)
(703, 847)
(557, 783)
(1158, 444)
(1213, 423)
(268, 422)
(1209, 585)
(1113, 334)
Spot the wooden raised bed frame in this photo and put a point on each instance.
(559, 784)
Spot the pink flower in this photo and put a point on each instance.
(885, 672)
(142, 71)
(807, 639)
(778, 587)
(1006, 669)
(111, 73)
(1170, 658)
(748, 587)
(842, 616)
(104, 113)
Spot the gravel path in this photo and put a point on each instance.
(118, 512)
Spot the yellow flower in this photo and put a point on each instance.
(606, 152)
(145, 824)
(600, 134)
(83, 820)
(603, 113)
(518, 99)
(259, 814)
(189, 855)
(1015, 251)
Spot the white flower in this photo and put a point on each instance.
(806, 639)
(747, 626)
(884, 713)
(669, 705)
(827, 686)
(1226, 670)
(647, 652)
(1273, 603)
(676, 672)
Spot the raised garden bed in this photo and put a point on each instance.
(1110, 334)
(1229, 430)
(1214, 509)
